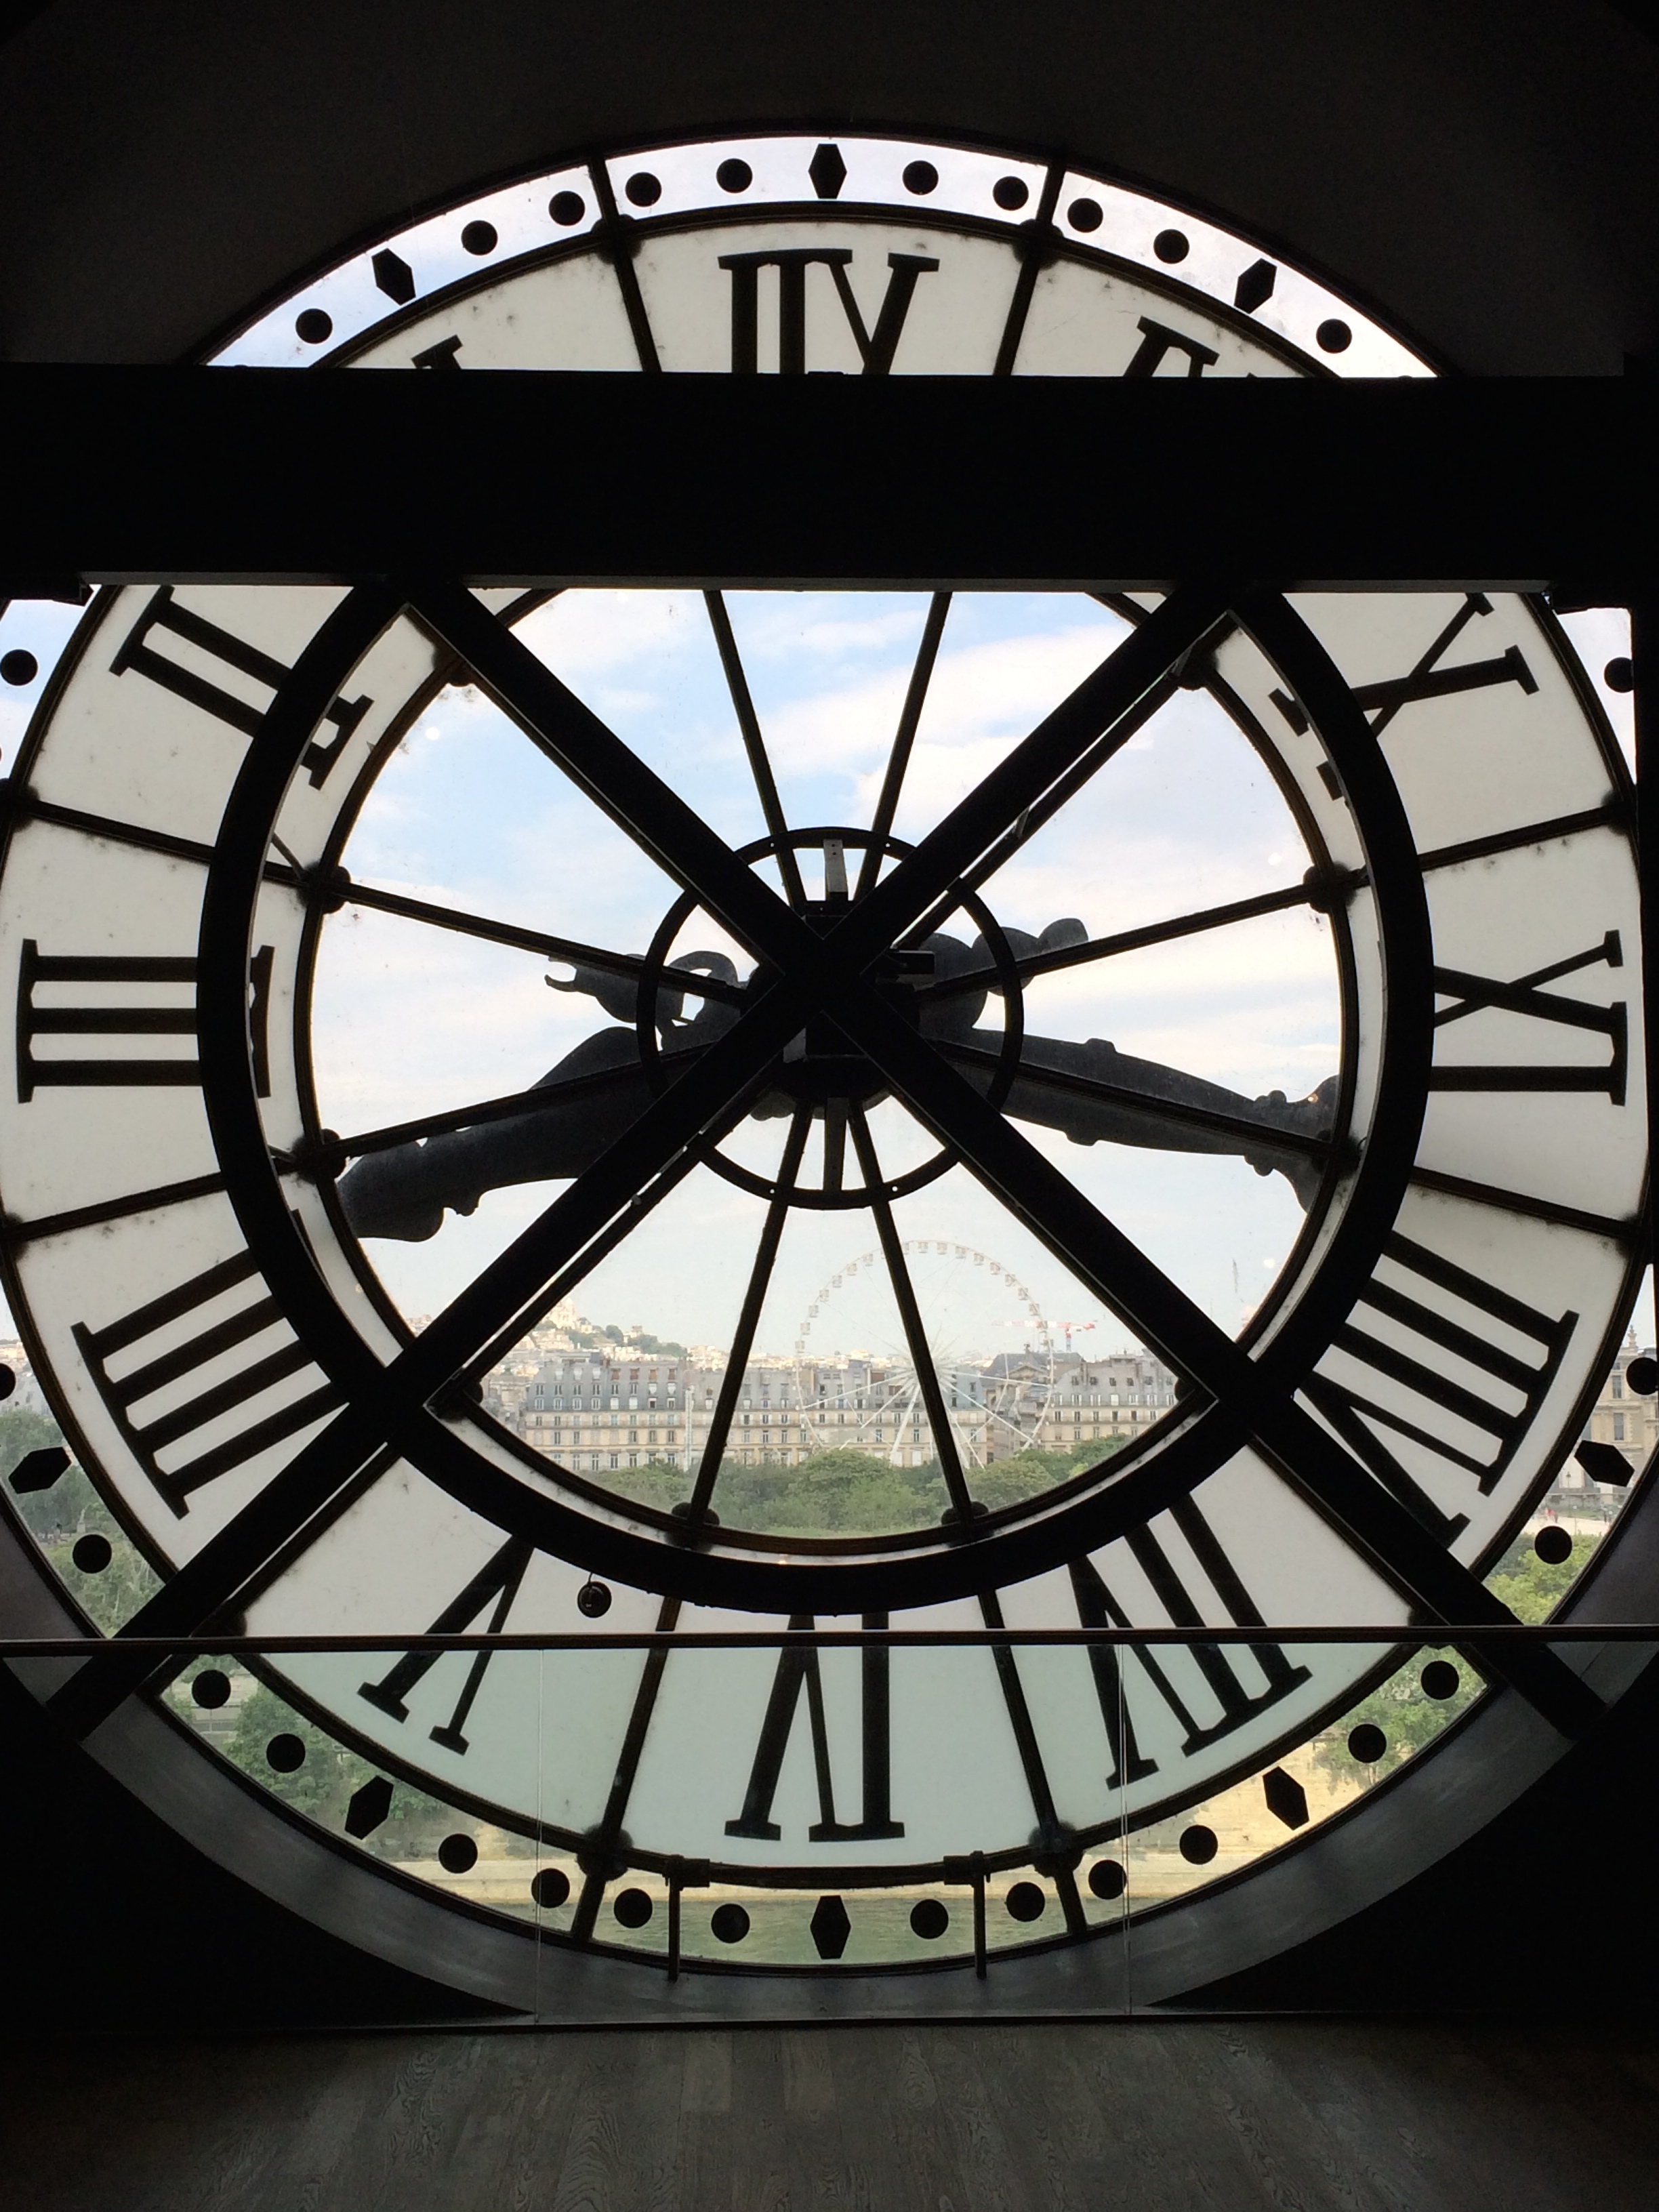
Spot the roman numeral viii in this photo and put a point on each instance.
(178, 1367)
(491, 1591)
(1471, 995)
(1436, 1379)
(134, 997)
(798, 1670)
(1428, 678)
(141, 655)
(1209, 1690)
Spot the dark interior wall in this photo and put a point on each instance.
(1488, 168)
(108, 1920)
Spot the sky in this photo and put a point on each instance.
(409, 1023)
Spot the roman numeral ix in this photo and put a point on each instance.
(133, 1009)
(163, 616)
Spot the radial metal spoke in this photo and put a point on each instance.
(643, 1203)
(540, 1099)
(736, 1361)
(755, 746)
(915, 1334)
(1043, 810)
(651, 813)
(835, 1143)
(569, 949)
(1134, 940)
(604, 1842)
(903, 739)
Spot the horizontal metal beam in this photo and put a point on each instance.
(1429, 1635)
(138, 474)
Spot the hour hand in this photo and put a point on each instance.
(585, 1101)
(580, 1106)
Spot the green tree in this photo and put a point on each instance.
(1533, 1588)
(58, 1517)
(1408, 1717)
(322, 1785)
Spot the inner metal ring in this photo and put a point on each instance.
(1009, 986)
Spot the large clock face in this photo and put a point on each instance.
(854, 1236)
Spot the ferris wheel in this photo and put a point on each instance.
(990, 1345)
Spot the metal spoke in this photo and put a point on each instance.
(777, 1216)
(915, 1335)
(604, 1841)
(1136, 940)
(569, 949)
(1043, 810)
(538, 1100)
(1049, 1830)
(755, 746)
(642, 1203)
(835, 1143)
(903, 739)
(573, 737)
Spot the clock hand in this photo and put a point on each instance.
(1095, 1094)
(1089, 1092)
(401, 1191)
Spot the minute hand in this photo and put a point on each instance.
(1096, 1095)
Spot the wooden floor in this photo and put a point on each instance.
(1400, 2117)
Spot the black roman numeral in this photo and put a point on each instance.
(444, 354)
(138, 656)
(1237, 1699)
(1158, 339)
(139, 1016)
(797, 1668)
(149, 1434)
(876, 347)
(496, 1585)
(1428, 680)
(1471, 993)
(1410, 1398)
